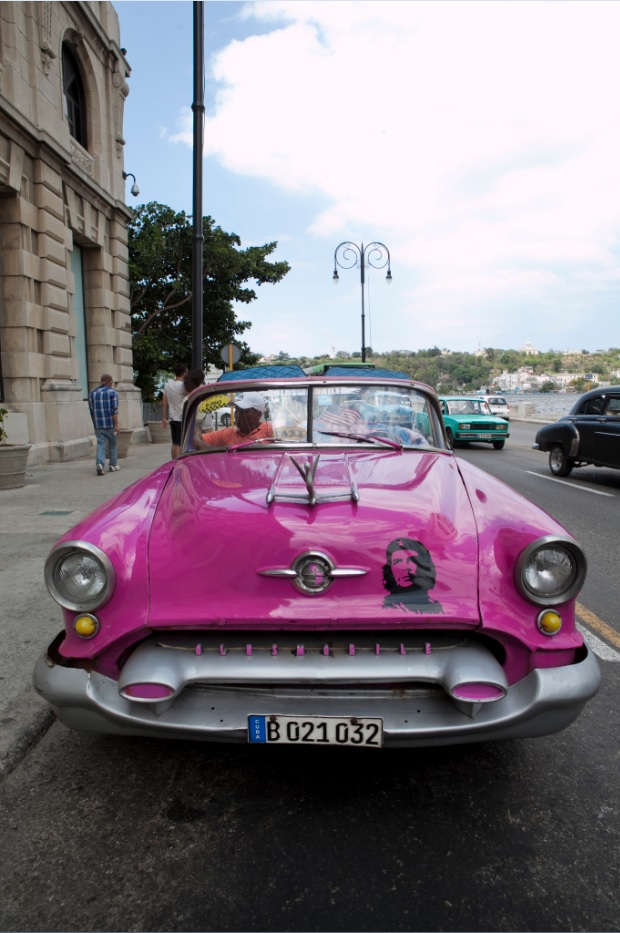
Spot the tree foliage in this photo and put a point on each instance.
(469, 372)
(160, 277)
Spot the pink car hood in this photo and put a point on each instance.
(218, 550)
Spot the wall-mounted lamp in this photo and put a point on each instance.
(134, 188)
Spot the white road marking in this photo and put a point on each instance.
(597, 645)
(596, 492)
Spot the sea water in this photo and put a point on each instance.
(546, 405)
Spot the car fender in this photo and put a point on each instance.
(504, 611)
(120, 527)
(563, 432)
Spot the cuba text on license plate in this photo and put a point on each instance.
(315, 730)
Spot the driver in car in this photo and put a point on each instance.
(248, 426)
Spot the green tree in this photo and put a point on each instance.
(160, 280)
(512, 360)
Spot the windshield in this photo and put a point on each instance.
(311, 414)
(468, 406)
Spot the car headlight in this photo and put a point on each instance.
(79, 576)
(550, 570)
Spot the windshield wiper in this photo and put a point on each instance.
(365, 437)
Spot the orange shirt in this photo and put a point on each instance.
(228, 437)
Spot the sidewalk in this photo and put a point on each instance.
(56, 496)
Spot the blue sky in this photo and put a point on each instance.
(478, 139)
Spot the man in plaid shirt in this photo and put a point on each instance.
(103, 405)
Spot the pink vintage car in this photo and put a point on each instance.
(323, 570)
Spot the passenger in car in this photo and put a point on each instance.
(248, 426)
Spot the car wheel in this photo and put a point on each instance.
(499, 445)
(559, 463)
(450, 437)
(226, 420)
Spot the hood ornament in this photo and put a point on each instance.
(313, 572)
(345, 488)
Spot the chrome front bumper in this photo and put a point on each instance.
(413, 687)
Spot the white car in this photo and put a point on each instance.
(498, 405)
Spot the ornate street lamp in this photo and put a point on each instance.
(376, 255)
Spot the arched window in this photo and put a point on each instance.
(74, 96)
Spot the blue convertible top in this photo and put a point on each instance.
(362, 371)
(263, 372)
(292, 370)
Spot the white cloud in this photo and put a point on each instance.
(481, 138)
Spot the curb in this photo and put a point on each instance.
(534, 420)
(23, 724)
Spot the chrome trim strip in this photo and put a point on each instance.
(287, 574)
(295, 573)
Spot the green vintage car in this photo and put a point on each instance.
(470, 419)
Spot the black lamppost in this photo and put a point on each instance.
(198, 108)
(376, 255)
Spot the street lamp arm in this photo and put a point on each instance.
(350, 255)
(377, 255)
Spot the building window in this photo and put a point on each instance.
(74, 96)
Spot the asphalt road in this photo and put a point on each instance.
(118, 834)
(102, 833)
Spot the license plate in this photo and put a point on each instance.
(485, 437)
(315, 730)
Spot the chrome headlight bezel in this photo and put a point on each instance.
(52, 569)
(572, 587)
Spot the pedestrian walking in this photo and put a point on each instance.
(204, 419)
(103, 406)
(172, 406)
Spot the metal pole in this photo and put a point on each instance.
(363, 316)
(198, 109)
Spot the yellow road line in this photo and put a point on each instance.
(593, 621)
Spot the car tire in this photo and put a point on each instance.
(559, 463)
(450, 437)
(225, 420)
(499, 445)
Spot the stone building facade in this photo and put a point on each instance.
(64, 295)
